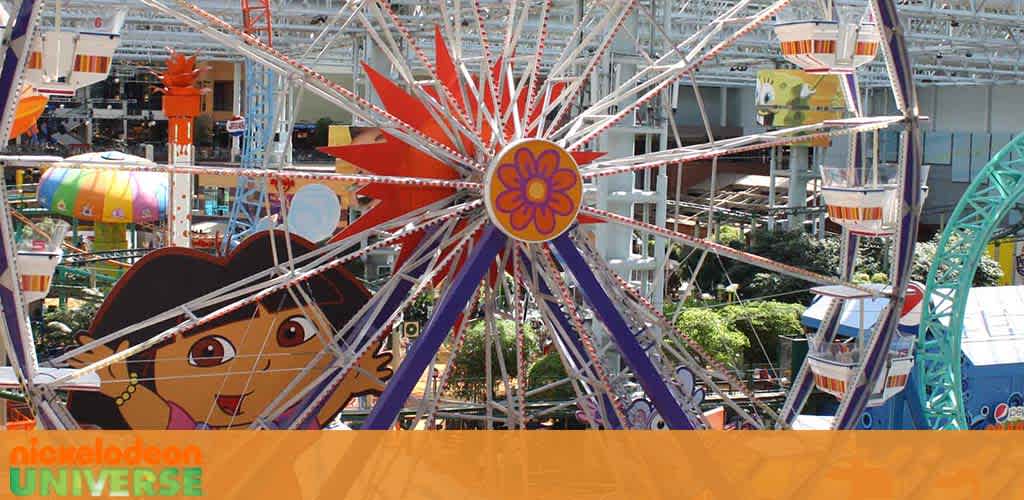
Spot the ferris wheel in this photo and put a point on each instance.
(494, 128)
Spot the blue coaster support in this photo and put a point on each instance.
(251, 194)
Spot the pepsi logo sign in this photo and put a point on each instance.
(1001, 412)
(235, 126)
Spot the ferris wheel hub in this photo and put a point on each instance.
(533, 190)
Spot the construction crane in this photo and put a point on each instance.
(251, 194)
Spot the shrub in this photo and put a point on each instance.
(545, 370)
(469, 375)
(766, 321)
(714, 334)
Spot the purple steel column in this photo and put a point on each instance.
(646, 373)
(874, 360)
(803, 383)
(433, 237)
(563, 321)
(422, 351)
(16, 330)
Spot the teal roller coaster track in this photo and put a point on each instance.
(937, 377)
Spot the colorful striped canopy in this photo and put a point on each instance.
(112, 196)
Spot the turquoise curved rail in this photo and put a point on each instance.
(994, 191)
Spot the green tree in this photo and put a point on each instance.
(714, 334)
(545, 370)
(469, 374)
(763, 322)
(988, 273)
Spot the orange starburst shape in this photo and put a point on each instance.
(392, 157)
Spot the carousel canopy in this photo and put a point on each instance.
(110, 196)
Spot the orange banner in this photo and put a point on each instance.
(523, 465)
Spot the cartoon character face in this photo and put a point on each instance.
(87, 210)
(227, 375)
(781, 99)
(117, 212)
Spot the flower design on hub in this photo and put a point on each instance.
(534, 190)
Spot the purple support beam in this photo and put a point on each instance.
(874, 360)
(433, 237)
(16, 334)
(803, 383)
(646, 373)
(566, 325)
(423, 350)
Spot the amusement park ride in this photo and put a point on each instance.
(480, 182)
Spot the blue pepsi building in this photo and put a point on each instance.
(992, 358)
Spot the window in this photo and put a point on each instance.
(383, 271)
(223, 96)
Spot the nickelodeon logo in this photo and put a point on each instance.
(105, 470)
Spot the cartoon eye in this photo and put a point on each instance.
(658, 423)
(294, 331)
(211, 351)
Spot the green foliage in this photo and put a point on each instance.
(469, 374)
(764, 320)
(61, 326)
(420, 308)
(802, 250)
(714, 334)
(988, 274)
(730, 235)
(545, 370)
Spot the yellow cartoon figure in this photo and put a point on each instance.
(790, 98)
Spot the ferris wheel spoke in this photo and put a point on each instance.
(580, 358)
(631, 297)
(573, 90)
(658, 83)
(429, 408)
(389, 48)
(218, 30)
(422, 352)
(194, 320)
(533, 69)
(281, 174)
(727, 251)
(454, 123)
(726, 147)
(629, 347)
(381, 312)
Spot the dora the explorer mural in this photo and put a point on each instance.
(223, 374)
